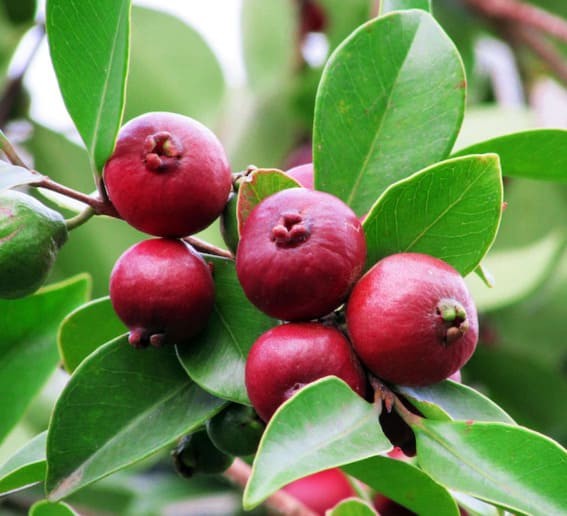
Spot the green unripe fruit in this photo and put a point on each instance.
(237, 430)
(229, 224)
(195, 454)
(31, 234)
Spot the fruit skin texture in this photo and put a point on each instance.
(321, 491)
(303, 174)
(288, 357)
(236, 430)
(299, 254)
(163, 291)
(168, 175)
(412, 320)
(31, 235)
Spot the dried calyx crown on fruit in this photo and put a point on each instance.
(168, 175)
(163, 291)
(411, 319)
(299, 254)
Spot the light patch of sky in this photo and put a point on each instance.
(218, 21)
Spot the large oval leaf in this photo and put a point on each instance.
(47, 508)
(352, 507)
(507, 465)
(120, 406)
(87, 328)
(28, 350)
(88, 42)
(323, 426)
(215, 359)
(405, 484)
(451, 400)
(26, 467)
(537, 154)
(451, 210)
(387, 6)
(390, 102)
(165, 47)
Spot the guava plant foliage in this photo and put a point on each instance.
(388, 109)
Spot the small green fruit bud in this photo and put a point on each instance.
(31, 234)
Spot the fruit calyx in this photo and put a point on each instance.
(454, 320)
(290, 230)
(160, 149)
(141, 338)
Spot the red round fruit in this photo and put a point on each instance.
(412, 320)
(321, 491)
(288, 357)
(303, 174)
(168, 175)
(163, 291)
(300, 253)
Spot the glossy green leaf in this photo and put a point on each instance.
(25, 467)
(352, 507)
(474, 506)
(387, 6)
(268, 42)
(451, 210)
(405, 484)
(390, 102)
(323, 426)
(47, 508)
(88, 42)
(120, 406)
(86, 329)
(538, 154)
(451, 400)
(215, 359)
(171, 69)
(258, 185)
(507, 465)
(29, 327)
(11, 175)
(529, 389)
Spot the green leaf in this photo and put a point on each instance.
(405, 484)
(475, 507)
(29, 327)
(398, 5)
(451, 400)
(47, 508)
(390, 102)
(352, 507)
(26, 467)
(506, 465)
(451, 210)
(88, 42)
(12, 175)
(268, 41)
(215, 359)
(87, 328)
(258, 185)
(323, 426)
(120, 406)
(537, 154)
(163, 46)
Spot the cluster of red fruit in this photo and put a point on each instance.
(409, 320)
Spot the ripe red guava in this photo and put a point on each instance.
(163, 291)
(303, 174)
(299, 254)
(411, 320)
(288, 357)
(321, 491)
(168, 175)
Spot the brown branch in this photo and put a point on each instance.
(205, 247)
(280, 502)
(519, 12)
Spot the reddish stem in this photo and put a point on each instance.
(280, 502)
(205, 247)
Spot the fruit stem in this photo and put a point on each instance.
(7, 148)
(409, 417)
(205, 247)
(280, 502)
(79, 219)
